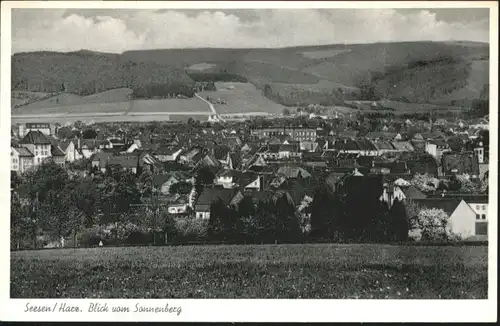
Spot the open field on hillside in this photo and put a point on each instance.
(201, 66)
(95, 118)
(168, 105)
(83, 109)
(324, 53)
(242, 98)
(253, 271)
(69, 108)
(23, 97)
(113, 95)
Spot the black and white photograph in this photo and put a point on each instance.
(250, 153)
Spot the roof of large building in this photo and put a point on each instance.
(23, 151)
(220, 152)
(126, 161)
(210, 195)
(35, 137)
(365, 145)
(56, 151)
(294, 172)
(403, 146)
(346, 145)
(382, 144)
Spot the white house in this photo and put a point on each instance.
(256, 184)
(227, 178)
(168, 154)
(179, 205)
(69, 148)
(479, 151)
(469, 219)
(289, 151)
(133, 147)
(88, 147)
(21, 159)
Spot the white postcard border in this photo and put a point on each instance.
(245, 309)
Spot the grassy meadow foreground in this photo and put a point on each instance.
(253, 271)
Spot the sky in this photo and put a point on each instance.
(118, 30)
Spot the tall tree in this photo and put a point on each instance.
(145, 183)
(322, 210)
(399, 219)
(456, 144)
(117, 193)
(287, 222)
(21, 223)
(217, 223)
(204, 177)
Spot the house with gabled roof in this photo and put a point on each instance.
(367, 147)
(233, 142)
(350, 133)
(346, 145)
(38, 144)
(89, 147)
(228, 178)
(69, 147)
(58, 156)
(402, 146)
(167, 154)
(208, 196)
(251, 181)
(290, 150)
(21, 160)
(309, 146)
(468, 215)
(191, 157)
(436, 147)
(383, 146)
(126, 162)
(460, 163)
(179, 205)
(383, 135)
(293, 172)
(224, 155)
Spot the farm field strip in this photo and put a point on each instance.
(109, 118)
(170, 113)
(253, 271)
(136, 106)
(243, 98)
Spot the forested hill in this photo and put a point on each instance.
(86, 72)
(418, 72)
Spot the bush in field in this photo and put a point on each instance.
(91, 236)
(431, 225)
(122, 233)
(191, 228)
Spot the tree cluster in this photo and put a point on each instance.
(58, 205)
(265, 221)
(339, 217)
(216, 77)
